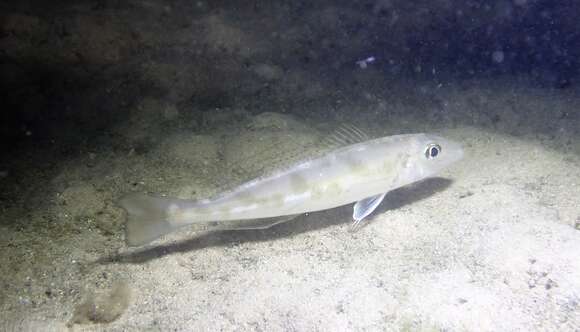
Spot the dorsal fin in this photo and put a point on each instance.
(279, 149)
(250, 155)
(346, 134)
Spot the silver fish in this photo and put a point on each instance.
(358, 172)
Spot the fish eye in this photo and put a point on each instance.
(432, 151)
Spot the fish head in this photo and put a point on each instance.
(427, 155)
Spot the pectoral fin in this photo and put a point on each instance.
(365, 207)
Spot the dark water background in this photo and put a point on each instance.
(72, 72)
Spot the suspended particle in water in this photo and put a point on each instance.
(498, 56)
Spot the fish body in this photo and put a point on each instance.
(361, 172)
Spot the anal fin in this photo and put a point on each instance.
(249, 224)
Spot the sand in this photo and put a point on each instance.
(491, 244)
(189, 99)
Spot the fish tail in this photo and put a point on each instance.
(147, 219)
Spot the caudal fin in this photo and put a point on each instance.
(147, 218)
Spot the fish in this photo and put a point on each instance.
(358, 170)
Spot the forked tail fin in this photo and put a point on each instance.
(147, 218)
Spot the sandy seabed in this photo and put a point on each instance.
(491, 244)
